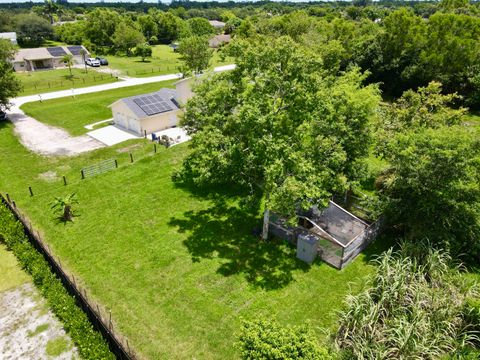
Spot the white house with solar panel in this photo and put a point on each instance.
(153, 112)
(147, 113)
(47, 58)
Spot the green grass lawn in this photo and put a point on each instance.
(42, 81)
(11, 274)
(89, 108)
(163, 61)
(178, 268)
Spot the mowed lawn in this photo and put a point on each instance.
(73, 114)
(178, 268)
(11, 273)
(43, 81)
(163, 61)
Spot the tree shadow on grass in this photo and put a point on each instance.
(225, 231)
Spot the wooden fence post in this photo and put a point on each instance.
(116, 163)
(64, 180)
(83, 174)
(8, 198)
(154, 148)
(30, 190)
(131, 158)
(145, 133)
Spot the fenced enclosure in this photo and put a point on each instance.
(341, 235)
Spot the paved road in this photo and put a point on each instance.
(91, 89)
(51, 141)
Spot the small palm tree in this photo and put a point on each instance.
(84, 53)
(68, 60)
(64, 207)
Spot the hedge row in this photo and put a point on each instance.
(89, 342)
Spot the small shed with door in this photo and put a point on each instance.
(147, 113)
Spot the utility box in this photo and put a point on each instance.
(307, 247)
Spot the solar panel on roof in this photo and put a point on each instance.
(56, 51)
(153, 104)
(75, 50)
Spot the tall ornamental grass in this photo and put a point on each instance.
(415, 308)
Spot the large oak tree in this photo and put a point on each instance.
(278, 123)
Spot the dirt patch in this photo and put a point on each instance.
(28, 330)
(49, 176)
(129, 148)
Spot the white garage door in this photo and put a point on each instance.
(134, 125)
(120, 120)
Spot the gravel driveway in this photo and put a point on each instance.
(49, 140)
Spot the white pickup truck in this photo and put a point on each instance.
(92, 62)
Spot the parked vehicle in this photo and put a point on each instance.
(92, 62)
(103, 61)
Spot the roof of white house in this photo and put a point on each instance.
(12, 36)
(144, 105)
(48, 52)
(217, 24)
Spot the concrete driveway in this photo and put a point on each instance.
(111, 135)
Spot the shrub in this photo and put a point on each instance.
(262, 339)
(89, 342)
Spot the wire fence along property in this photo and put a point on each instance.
(100, 317)
(155, 70)
(69, 83)
(341, 235)
(82, 174)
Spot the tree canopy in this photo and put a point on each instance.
(195, 54)
(32, 30)
(432, 187)
(278, 124)
(10, 86)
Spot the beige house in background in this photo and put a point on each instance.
(184, 89)
(47, 58)
(219, 40)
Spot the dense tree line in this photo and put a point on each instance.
(402, 45)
